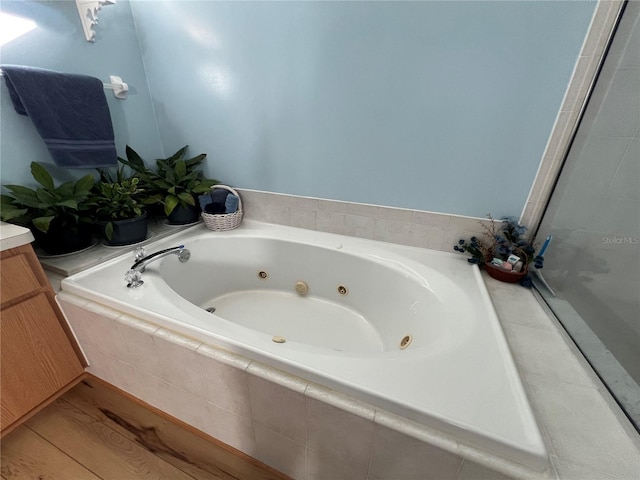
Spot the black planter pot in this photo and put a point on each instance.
(63, 237)
(183, 215)
(125, 232)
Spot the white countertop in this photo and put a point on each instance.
(12, 236)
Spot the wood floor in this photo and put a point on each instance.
(93, 432)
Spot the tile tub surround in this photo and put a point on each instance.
(310, 432)
(416, 228)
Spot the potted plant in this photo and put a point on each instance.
(502, 250)
(59, 217)
(176, 183)
(117, 203)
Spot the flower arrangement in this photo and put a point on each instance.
(502, 246)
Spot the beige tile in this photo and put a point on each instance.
(153, 390)
(399, 457)
(333, 206)
(339, 434)
(224, 385)
(582, 429)
(99, 364)
(543, 183)
(280, 452)
(234, 430)
(76, 316)
(397, 214)
(569, 471)
(140, 350)
(358, 226)
(426, 236)
(156, 391)
(407, 427)
(253, 196)
(303, 218)
(362, 210)
(582, 77)
(431, 218)
(601, 25)
(178, 403)
(305, 203)
(338, 400)
(277, 213)
(532, 213)
(561, 134)
(278, 408)
(281, 199)
(105, 334)
(392, 231)
(254, 211)
(325, 465)
(124, 377)
(515, 304)
(189, 408)
(330, 222)
(473, 471)
(535, 350)
(177, 356)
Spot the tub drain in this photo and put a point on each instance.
(404, 343)
(210, 309)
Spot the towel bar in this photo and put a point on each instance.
(120, 89)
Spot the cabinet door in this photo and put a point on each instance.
(37, 357)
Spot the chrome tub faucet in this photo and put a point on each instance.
(134, 274)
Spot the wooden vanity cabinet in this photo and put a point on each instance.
(39, 358)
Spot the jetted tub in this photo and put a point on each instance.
(409, 330)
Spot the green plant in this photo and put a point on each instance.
(499, 240)
(66, 205)
(175, 182)
(116, 198)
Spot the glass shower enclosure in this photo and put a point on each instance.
(592, 266)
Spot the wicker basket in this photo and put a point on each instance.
(224, 221)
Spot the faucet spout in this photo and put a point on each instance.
(182, 253)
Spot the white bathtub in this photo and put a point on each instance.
(366, 300)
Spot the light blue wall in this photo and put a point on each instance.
(59, 44)
(442, 106)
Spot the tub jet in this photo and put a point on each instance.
(210, 309)
(302, 288)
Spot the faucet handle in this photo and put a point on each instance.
(139, 253)
(133, 278)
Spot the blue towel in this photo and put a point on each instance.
(70, 113)
(218, 198)
(231, 204)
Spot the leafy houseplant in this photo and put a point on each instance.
(499, 245)
(176, 183)
(117, 203)
(57, 216)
